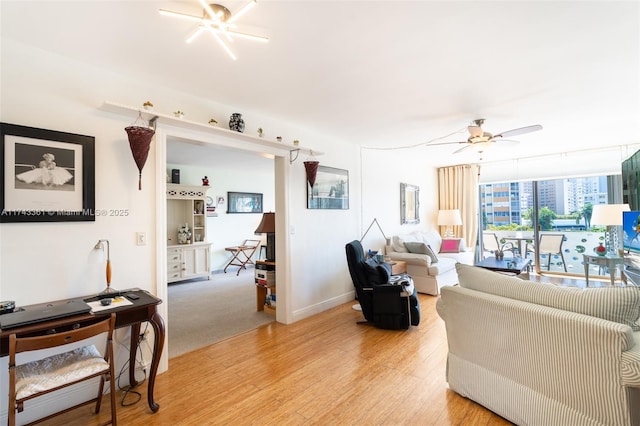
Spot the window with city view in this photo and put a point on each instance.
(564, 206)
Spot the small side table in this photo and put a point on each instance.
(398, 267)
(265, 285)
(610, 262)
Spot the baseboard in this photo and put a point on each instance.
(323, 306)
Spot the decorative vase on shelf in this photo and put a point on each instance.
(601, 250)
(236, 123)
(184, 234)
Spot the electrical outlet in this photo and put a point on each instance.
(141, 238)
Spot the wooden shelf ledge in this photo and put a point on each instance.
(153, 117)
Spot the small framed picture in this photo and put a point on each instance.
(47, 176)
(244, 202)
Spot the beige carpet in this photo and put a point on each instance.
(203, 312)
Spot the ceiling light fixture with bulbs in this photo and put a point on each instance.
(218, 21)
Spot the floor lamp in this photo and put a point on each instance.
(357, 306)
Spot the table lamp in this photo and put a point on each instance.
(449, 218)
(609, 215)
(268, 226)
(101, 244)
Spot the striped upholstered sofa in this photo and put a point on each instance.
(539, 354)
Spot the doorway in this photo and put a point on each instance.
(205, 311)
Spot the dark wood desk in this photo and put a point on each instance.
(143, 309)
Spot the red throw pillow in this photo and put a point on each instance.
(450, 245)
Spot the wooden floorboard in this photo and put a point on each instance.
(324, 370)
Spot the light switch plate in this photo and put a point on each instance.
(141, 238)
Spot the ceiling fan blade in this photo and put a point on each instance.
(507, 142)
(445, 143)
(469, 145)
(520, 131)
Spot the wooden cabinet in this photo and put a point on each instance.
(186, 261)
(186, 206)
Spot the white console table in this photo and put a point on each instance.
(610, 262)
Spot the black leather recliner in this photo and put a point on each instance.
(386, 303)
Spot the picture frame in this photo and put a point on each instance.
(409, 204)
(330, 191)
(47, 175)
(244, 202)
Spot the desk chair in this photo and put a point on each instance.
(549, 244)
(242, 254)
(29, 380)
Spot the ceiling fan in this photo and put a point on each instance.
(480, 140)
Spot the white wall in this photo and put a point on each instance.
(383, 172)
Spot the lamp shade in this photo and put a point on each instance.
(449, 217)
(608, 214)
(267, 224)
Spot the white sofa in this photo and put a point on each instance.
(539, 354)
(429, 275)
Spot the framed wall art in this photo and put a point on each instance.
(244, 202)
(47, 176)
(409, 204)
(330, 191)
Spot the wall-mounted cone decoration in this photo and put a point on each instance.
(312, 170)
(139, 142)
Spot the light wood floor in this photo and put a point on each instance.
(325, 370)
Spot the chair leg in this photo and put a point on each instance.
(563, 262)
(100, 393)
(114, 419)
(11, 417)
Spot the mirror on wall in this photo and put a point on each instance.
(409, 204)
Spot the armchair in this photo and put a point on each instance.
(384, 303)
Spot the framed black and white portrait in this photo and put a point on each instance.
(47, 176)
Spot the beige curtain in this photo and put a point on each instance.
(458, 189)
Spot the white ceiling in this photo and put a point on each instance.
(380, 73)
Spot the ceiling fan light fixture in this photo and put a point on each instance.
(242, 11)
(224, 45)
(474, 131)
(217, 19)
(195, 33)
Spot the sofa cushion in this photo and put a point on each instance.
(618, 304)
(433, 239)
(421, 248)
(397, 241)
(451, 245)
